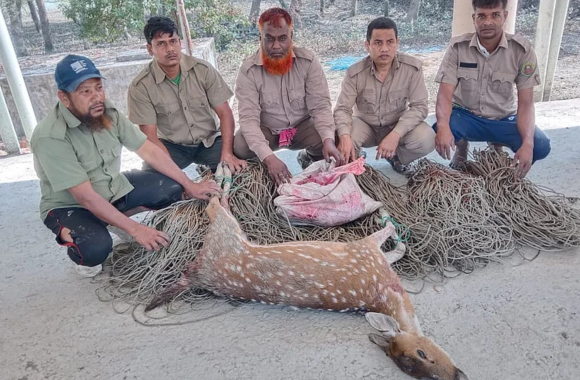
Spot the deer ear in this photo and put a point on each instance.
(385, 324)
(460, 375)
(380, 340)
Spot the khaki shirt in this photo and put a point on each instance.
(183, 114)
(401, 100)
(282, 102)
(66, 153)
(485, 85)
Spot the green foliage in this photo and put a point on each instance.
(110, 20)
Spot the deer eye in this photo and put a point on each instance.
(421, 354)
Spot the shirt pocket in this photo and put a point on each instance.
(366, 102)
(468, 80)
(297, 98)
(397, 101)
(270, 101)
(199, 108)
(502, 82)
(167, 114)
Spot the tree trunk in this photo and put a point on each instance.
(48, 47)
(255, 12)
(14, 8)
(295, 9)
(34, 15)
(413, 10)
(353, 8)
(386, 9)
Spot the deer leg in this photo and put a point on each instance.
(226, 184)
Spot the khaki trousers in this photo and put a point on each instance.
(417, 143)
(306, 137)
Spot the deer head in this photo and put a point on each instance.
(415, 354)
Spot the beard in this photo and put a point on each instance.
(94, 123)
(278, 66)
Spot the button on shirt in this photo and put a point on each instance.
(183, 113)
(66, 153)
(484, 85)
(282, 102)
(399, 101)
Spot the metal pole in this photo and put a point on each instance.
(542, 43)
(7, 131)
(184, 27)
(560, 14)
(16, 81)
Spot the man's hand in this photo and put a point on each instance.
(388, 147)
(346, 148)
(277, 170)
(444, 142)
(523, 160)
(235, 164)
(201, 190)
(329, 149)
(149, 237)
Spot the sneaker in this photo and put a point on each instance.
(85, 271)
(304, 159)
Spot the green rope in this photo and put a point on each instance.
(403, 231)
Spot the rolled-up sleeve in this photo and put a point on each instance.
(448, 70)
(418, 104)
(249, 111)
(140, 109)
(344, 106)
(318, 100)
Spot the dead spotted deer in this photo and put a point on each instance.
(353, 276)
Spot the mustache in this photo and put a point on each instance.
(99, 104)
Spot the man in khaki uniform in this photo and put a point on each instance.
(181, 102)
(387, 90)
(283, 101)
(76, 151)
(475, 101)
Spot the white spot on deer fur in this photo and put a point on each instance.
(316, 260)
(343, 299)
(321, 286)
(280, 274)
(338, 291)
(363, 281)
(306, 295)
(249, 265)
(278, 283)
(248, 279)
(374, 277)
(364, 269)
(253, 300)
(334, 300)
(333, 294)
(344, 310)
(325, 292)
(290, 273)
(353, 261)
(353, 292)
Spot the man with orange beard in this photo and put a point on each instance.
(283, 101)
(77, 157)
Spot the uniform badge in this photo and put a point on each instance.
(528, 69)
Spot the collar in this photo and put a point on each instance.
(258, 57)
(394, 66)
(70, 119)
(503, 43)
(185, 64)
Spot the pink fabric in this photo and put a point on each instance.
(286, 137)
(325, 195)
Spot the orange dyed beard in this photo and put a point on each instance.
(277, 66)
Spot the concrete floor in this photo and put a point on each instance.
(512, 321)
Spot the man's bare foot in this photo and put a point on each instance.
(460, 156)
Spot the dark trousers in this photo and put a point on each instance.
(184, 155)
(467, 126)
(92, 242)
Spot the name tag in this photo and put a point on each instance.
(468, 65)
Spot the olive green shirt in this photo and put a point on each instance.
(182, 113)
(485, 85)
(399, 101)
(66, 153)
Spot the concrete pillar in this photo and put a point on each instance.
(542, 43)
(7, 131)
(463, 22)
(185, 33)
(16, 81)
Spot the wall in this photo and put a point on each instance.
(43, 92)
